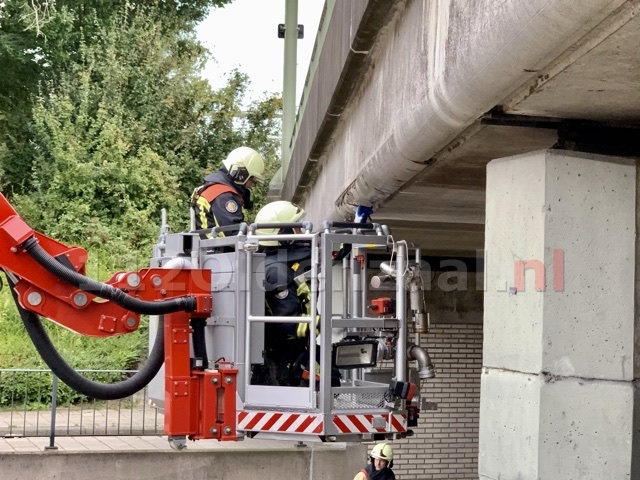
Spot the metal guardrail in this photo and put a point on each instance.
(34, 404)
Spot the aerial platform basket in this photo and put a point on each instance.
(338, 277)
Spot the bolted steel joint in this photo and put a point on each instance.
(80, 299)
(130, 323)
(133, 280)
(34, 298)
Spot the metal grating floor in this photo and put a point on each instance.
(358, 401)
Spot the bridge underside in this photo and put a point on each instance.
(429, 92)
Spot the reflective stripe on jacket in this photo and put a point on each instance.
(217, 205)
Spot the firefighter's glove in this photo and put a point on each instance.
(363, 214)
(304, 294)
(303, 329)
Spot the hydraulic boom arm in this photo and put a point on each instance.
(49, 280)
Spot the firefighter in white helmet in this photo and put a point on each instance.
(220, 201)
(287, 293)
(381, 463)
(284, 261)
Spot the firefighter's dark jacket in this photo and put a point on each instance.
(370, 473)
(220, 202)
(282, 293)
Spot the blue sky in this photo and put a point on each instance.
(244, 34)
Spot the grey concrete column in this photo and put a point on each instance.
(557, 392)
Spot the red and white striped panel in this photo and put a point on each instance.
(365, 423)
(258, 421)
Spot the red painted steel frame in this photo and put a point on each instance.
(198, 404)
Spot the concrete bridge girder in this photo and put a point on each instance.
(410, 133)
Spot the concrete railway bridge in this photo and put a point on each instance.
(501, 138)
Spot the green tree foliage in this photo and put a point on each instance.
(102, 163)
(104, 121)
(121, 125)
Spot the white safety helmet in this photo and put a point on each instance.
(244, 163)
(383, 451)
(277, 212)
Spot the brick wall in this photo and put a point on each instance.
(445, 445)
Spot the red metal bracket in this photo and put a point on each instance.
(198, 404)
(217, 405)
(382, 306)
(89, 315)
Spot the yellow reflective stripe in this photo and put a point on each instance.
(295, 267)
(203, 208)
(220, 234)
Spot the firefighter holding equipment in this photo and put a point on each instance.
(287, 293)
(284, 296)
(226, 193)
(381, 459)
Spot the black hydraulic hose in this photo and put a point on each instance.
(102, 290)
(199, 342)
(59, 366)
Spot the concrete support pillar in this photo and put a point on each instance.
(557, 388)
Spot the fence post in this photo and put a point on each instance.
(54, 402)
